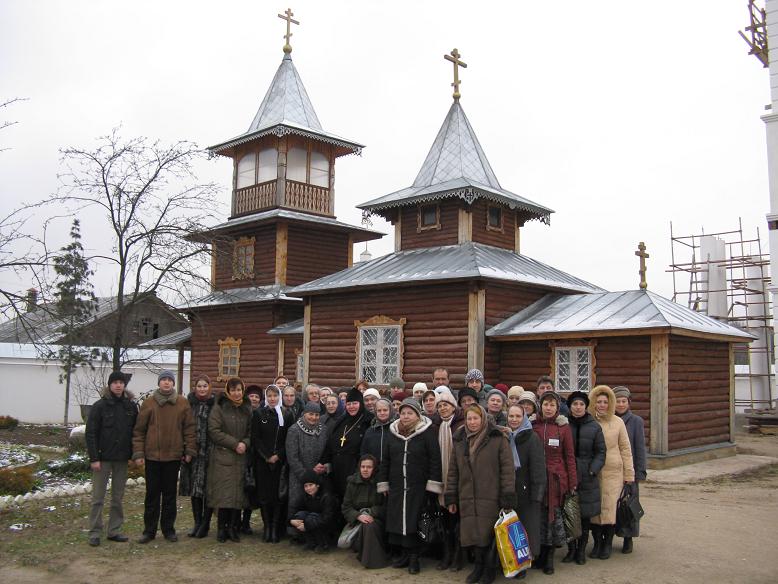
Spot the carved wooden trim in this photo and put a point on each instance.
(281, 253)
(249, 244)
(380, 320)
(568, 343)
(375, 321)
(419, 226)
(228, 343)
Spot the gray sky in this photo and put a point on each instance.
(620, 116)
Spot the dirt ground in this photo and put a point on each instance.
(713, 532)
(39, 435)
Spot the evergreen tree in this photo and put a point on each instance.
(75, 305)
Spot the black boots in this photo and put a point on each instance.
(457, 558)
(276, 523)
(540, 562)
(626, 548)
(490, 565)
(223, 517)
(597, 538)
(322, 541)
(413, 563)
(205, 524)
(245, 523)
(448, 554)
(607, 541)
(580, 548)
(571, 548)
(402, 560)
(233, 525)
(197, 513)
(265, 512)
(478, 569)
(548, 566)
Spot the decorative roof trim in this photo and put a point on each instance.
(281, 130)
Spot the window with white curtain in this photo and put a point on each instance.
(268, 165)
(573, 368)
(296, 164)
(379, 353)
(246, 168)
(320, 170)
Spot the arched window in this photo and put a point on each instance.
(246, 166)
(320, 170)
(296, 163)
(268, 165)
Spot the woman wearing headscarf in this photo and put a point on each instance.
(378, 432)
(617, 472)
(409, 470)
(554, 431)
(291, 402)
(305, 442)
(480, 483)
(529, 464)
(194, 473)
(229, 428)
(529, 402)
(345, 440)
(269, 426)
(363, 505)
(495, 407)
(589, 447)
(637, 441)
(333, 410)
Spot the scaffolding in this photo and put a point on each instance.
(745, 285)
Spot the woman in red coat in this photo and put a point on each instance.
(554, 432)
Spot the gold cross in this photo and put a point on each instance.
(289, 22)
(454, 58)
(342, 440)
(641, 253)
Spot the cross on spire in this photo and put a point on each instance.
(641, 253)
(454, 58)
(287, 16)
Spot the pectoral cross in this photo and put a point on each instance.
(342, 440)
(641, 253)
(287, 16)
(454, 58)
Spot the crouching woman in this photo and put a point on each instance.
(364, 507)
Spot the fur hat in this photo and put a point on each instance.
(312, 408)
(474, 375)
(411, 403)
(516, 391)
(117, 376)
(254, 389)
(622, 391)
(166, 374)
(467, 391)
(370, 391)
(578, 395)
(447, 397)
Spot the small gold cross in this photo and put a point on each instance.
(289, 22)
(641, 253)
(454, 58)
(342, 440)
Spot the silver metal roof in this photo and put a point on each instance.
(287, 109)
(609, 311)
(169, 341)
(294, 327)
(456, 166)
(248, 295)
(360, 233)
(451, 262)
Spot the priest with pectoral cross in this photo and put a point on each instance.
(341, 454)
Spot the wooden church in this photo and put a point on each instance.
(457, 292)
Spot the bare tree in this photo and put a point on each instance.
(152, 206)
(6, 123)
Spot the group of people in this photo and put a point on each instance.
(373, 469)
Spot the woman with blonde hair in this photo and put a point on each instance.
(617, 472)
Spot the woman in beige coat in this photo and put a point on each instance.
(617, 471)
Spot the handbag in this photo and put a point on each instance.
(348, 535)
(283, 484)
(430, 527)
(628, 509)
(512, 544)
(249, 480)
(571, 516)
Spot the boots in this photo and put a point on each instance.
(197, 513)
(310, 540)
(276, 523)
(233, 525)
(571, 549)
(265, 512)
(607, 541)
(245, 523)
(448, 553)
(222, 518)
(478, 570)
(413, 563)
(490, 566)
(457, 560)
(402, 560)
(539, 562)
(322, 542)
(597, 538)
(626, 548)
(580, 550)
(548, 567)
(205, 524)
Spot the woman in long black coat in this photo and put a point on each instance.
(530, 474)
(409, 471)
(589, 446)
(637, 441)
(378, 433)
(269, 425)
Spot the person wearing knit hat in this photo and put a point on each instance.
(428, 402)
(475, 381)
(637, 441)
(398, 398)
(467, 397)
(254, 394)
(578, 395)
(419, 389)
(396, 385)
(315, 517)
(447, 397)
(311, 408)
(117, 376)
(502, 387)
(370, 397)
(441, 388)
(166, 374)
(529, 402)
(514, 394)
(495, 406)
(412, 403)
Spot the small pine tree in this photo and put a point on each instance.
(76, 303)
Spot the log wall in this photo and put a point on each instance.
(264, 259)
(313, 253)
(435, 332)
(521, 363)
(506, 238)
(412, 238)
(698, 392)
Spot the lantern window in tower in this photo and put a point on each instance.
(267, 168)
(247, 170)
(296, 164)
(320, 170)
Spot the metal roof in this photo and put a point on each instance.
(170, 341)
(247, 295)
(451, 262)
(294, 327)
(287, 109)
(609, 311)
(456, 166)
(359, 233)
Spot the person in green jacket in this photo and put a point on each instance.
(364, 506)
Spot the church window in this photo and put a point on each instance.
(494, 218)
(246, 171)
(243, 258)
(428, 217)
(379, 349)
(297, 164)
(267, 169)
(320, 170)
(229, 358)
(574, 367)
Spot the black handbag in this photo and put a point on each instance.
(249, 480)
(430, 527)
(628, 509)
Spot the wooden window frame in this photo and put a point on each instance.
(380, 322)
(299, 365)
(489, 226)
(226, 346)
(248, 243)
(419, 215)
(570, 345)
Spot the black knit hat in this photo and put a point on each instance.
(578, 395)
(117, 376)
(311, 477)
(354, 395)
(467, 391)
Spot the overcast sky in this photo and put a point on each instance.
(620, 116)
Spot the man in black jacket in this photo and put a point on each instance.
(109, 444)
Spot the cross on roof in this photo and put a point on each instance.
(454, 58)
(287, 16)
(641, 253)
